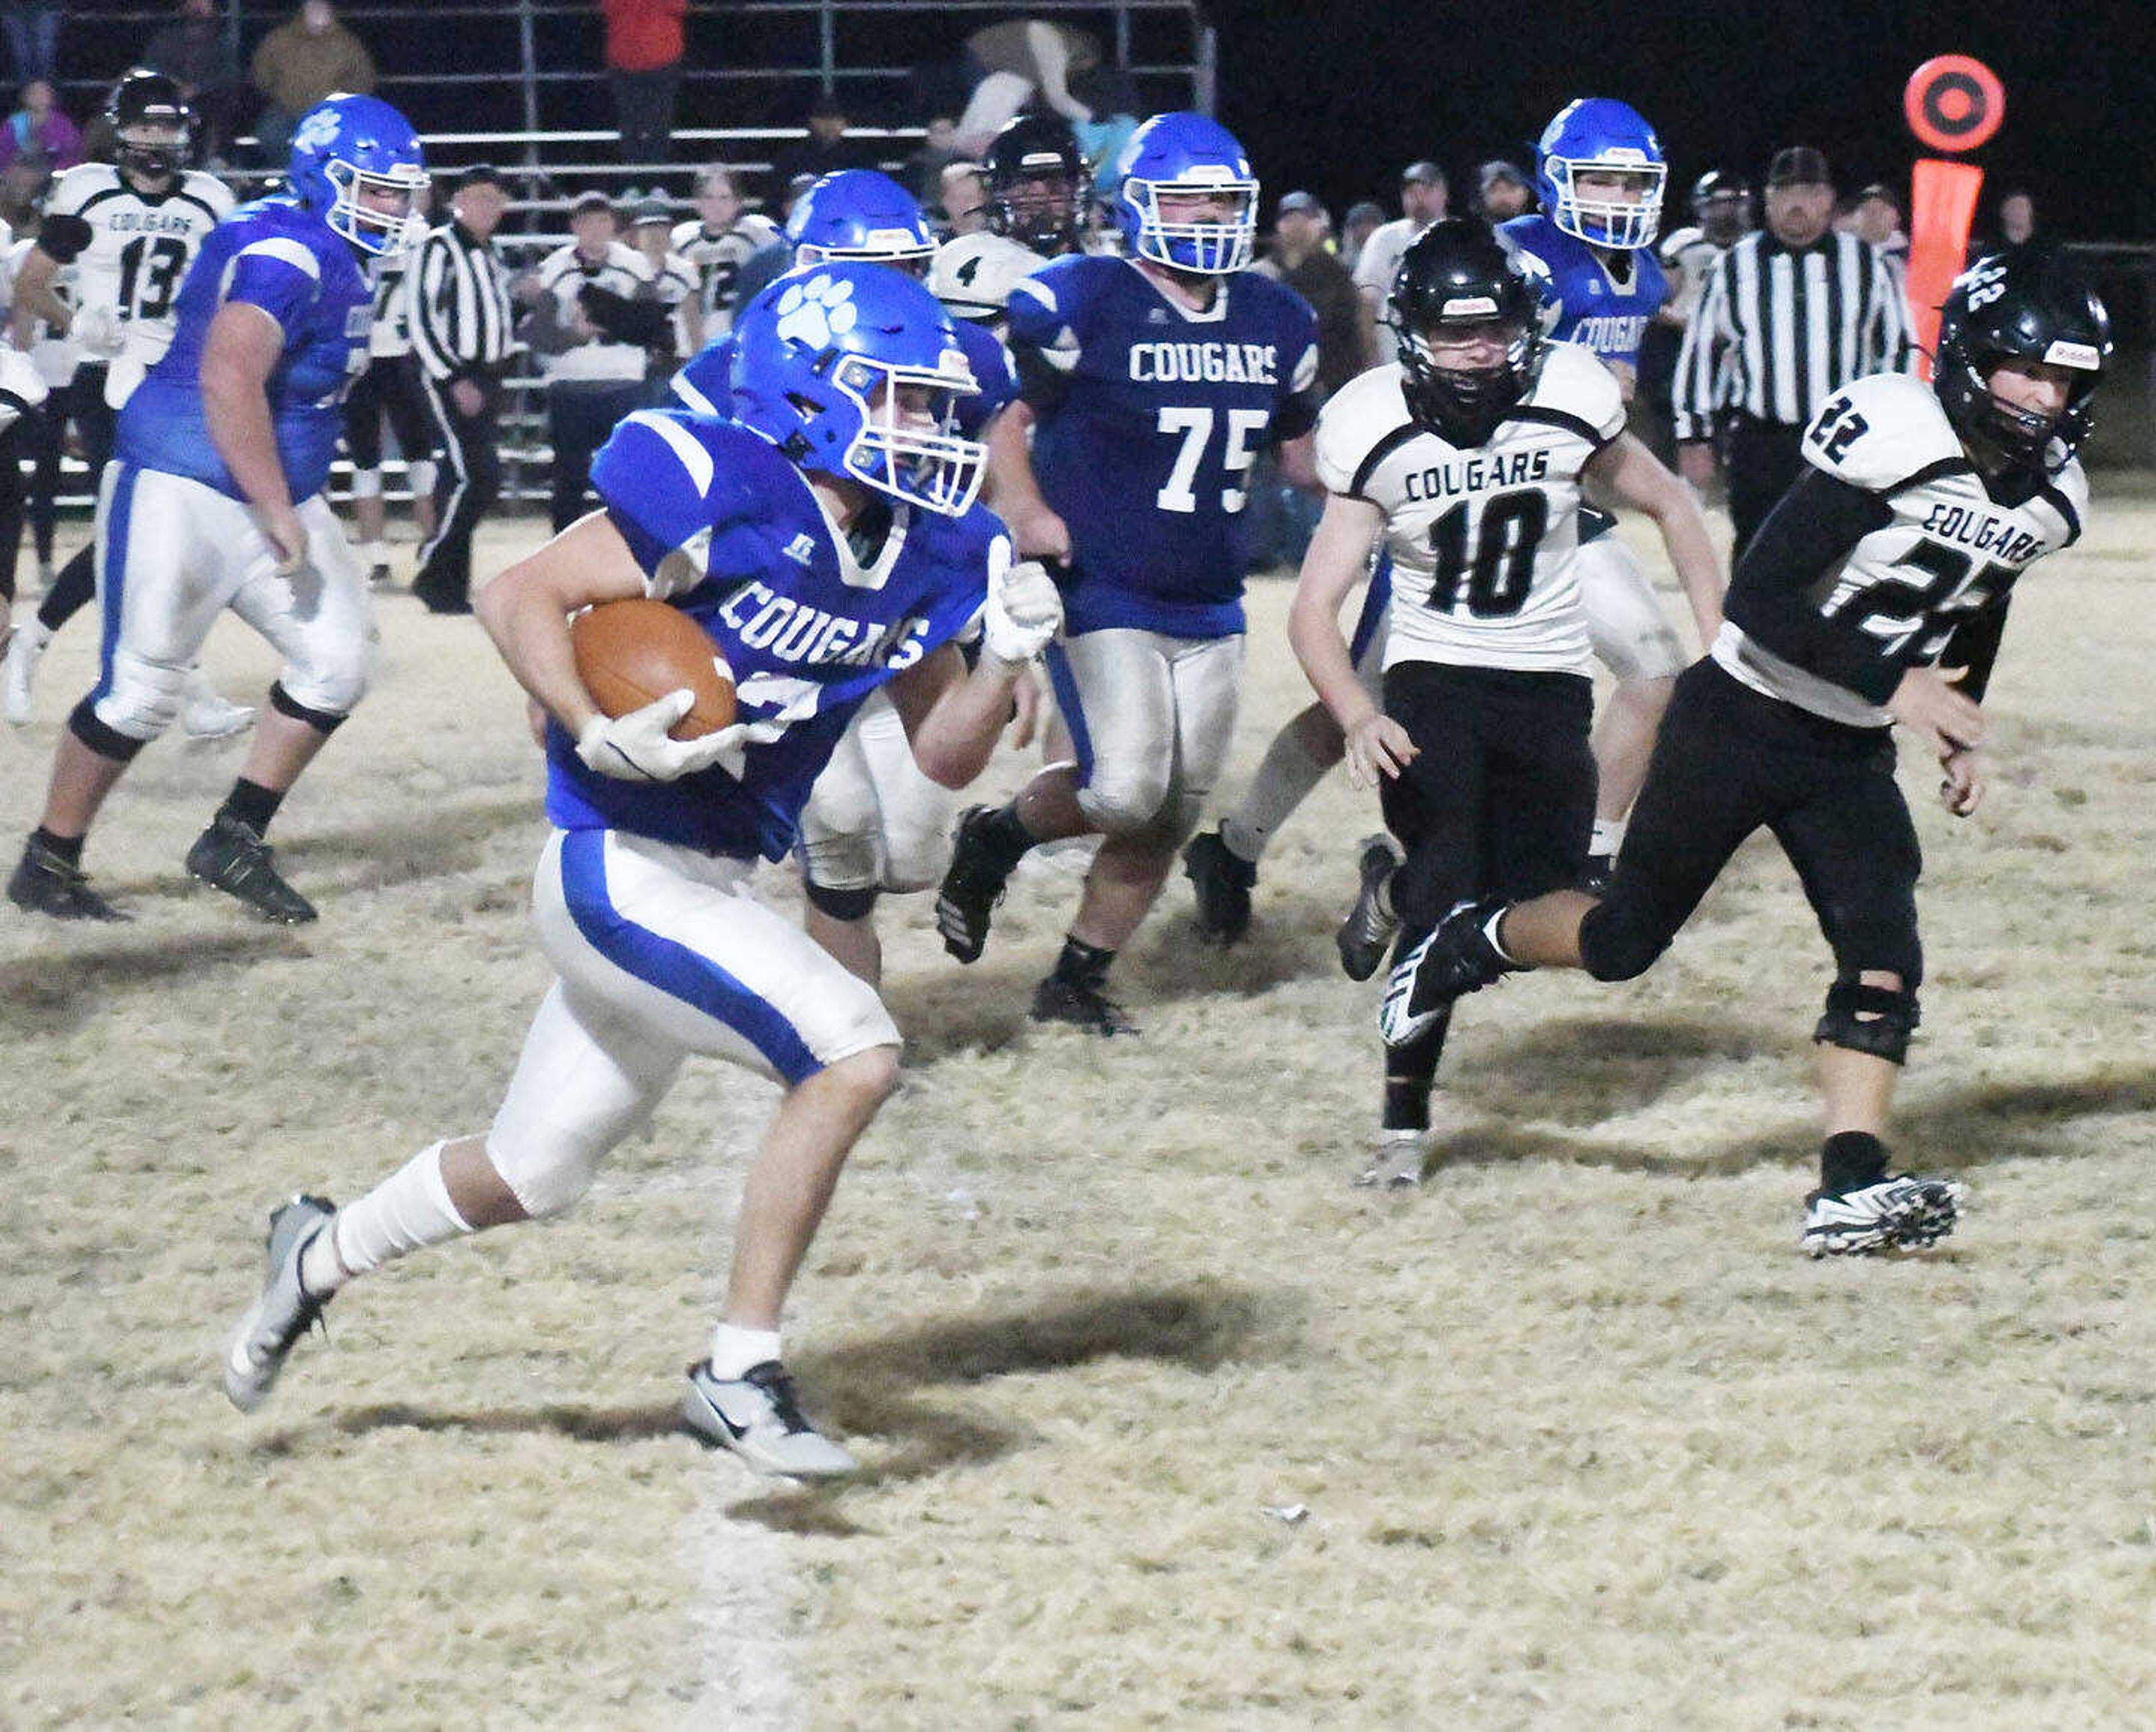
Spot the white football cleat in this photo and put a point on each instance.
(1397, 1160)
(1901, 1212)
(758, 1416)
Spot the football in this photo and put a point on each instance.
(632, 653)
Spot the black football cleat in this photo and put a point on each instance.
(1087, 1007)
(971, 887)
(1371, 926)
(232, 857)
(45, 883)
(1223, 881)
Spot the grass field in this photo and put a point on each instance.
(1165, 1424)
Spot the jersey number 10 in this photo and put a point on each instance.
(1493, 579)
(1196, 428)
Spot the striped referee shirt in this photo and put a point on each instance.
(1781, 328)
(457, 307)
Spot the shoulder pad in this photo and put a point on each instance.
(1045, 306)
(1575, 383)
(671, 479)
(76, 186)
(973, 274)
(1362, 415)
(1673, 244)
(2067, 492)
(1880, 431)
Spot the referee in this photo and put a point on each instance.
(460, 319)
(1790, 315)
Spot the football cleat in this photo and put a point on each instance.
(1600, 869)
(1087, 1007)
(284, 1310)
(1223, 881)
(971, 889)
(1899, 1212)
(231, 858)
(20, 671)
(1456, 959)
(1371, 924)
(45, 883)
(758, 1416)
(1397, 1161)
(207, 715)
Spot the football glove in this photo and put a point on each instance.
(1024, 611)
(100, 332)
(638, 746)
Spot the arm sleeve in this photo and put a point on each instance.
(1974, 646)
(1697, 381)
(1771, 599)
(1300, 398)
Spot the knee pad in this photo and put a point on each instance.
(142, 698)
(1121, 803)
(1616, 944)
(840, 861)
(324, 721)
(841, 904)
(545, 1179)
(918, 863)
(1877, 1020)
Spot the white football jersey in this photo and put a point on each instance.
(1483, 539)
(972, 275)
(1947, 548)
(53, 356)
(717, 259)
(1692, 255)
(140, 247)
(391, 333)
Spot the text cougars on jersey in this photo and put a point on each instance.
(1999, 536)
(803, 636)
(1205, 363)
(1502, 469)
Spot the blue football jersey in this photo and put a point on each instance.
(277, 256)
(727, 529)
(1586, 304)
(1149, 417)
(703, 386)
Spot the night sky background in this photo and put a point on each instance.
(1338, 95)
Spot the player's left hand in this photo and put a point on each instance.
(1024, 612)
(1961, 788)
(1379, 748)
(99, 332)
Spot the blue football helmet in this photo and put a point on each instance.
(858, 214)
(1186, 154)
(348, 149)
(1598, 134)
(853, 369)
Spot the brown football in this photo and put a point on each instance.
(630, 654)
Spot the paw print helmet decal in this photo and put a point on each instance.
(855, 370)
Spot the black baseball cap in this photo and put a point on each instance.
(1305, 202)
(1799, 166)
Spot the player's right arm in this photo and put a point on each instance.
(526, 609)
(1339, 553)
(239, 353)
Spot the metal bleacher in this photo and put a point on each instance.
(520, 85)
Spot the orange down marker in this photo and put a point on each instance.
(1954, 104)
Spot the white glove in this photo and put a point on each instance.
(1024, 613)
(100, 332)
(636, 747)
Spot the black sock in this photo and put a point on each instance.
(68, 848)
(1005, 837)
(1083, 965)
(251, 804)
(1851, 1160)
(1410, 1074)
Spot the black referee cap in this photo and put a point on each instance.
(1799, 166)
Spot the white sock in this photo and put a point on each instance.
(1606, 838)
(409, 1209)
(1283, 783)
(736, 1350)
(1490, 931)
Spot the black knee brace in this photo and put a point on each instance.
(841, 904)
(106, 742)
(284, 703)
(1877, 1020)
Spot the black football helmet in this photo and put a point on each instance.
(2031, 304)
(152, 126)
(1037, 182)
(1457, 274)
(1721, 204)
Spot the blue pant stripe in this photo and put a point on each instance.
(673, 968)
(1376, 599)
(1065, 686)
(112, 574)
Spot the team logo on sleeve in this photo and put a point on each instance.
(814, 312)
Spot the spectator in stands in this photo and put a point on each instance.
(651, 233)
(962, 194)
(309, 56)
(37, 132)
(194, 51)
(1362, 221)
(828, 147)
(1012, 60)
(771, 262)
(1423, 198)
(924, 168)
(34, 37)
(726, 235)
(1502, 192)
(644, 49)
(2017, 219)
(1879, 221)
(596, 313)
(1300, 228)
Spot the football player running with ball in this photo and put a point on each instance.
(1875, 593)
(1467, 457)
(827, 541)
(1147, 385)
